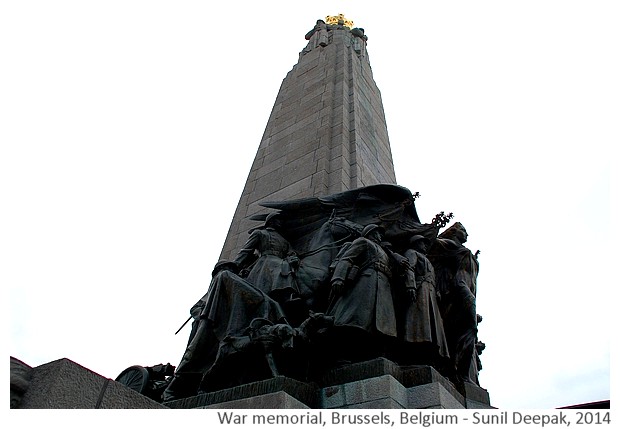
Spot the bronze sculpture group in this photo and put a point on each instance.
(333, 280)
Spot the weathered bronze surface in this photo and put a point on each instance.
(330, 281)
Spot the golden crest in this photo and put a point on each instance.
(334, 20)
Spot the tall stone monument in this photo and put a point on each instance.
(336, 299)
(326, 133)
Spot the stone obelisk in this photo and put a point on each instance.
(326, 133)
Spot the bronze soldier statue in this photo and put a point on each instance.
(271, 261)
(422, 326)
(362, 303)
(457, 269)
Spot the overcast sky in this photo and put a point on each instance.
(132, 126)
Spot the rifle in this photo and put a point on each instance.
(183, 325)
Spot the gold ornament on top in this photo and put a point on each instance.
(334, 20)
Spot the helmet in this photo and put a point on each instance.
(369, 228)
(415, 238)
(270, 217)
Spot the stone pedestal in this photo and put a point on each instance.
(378, 384)
(63, 384)
(277, 393)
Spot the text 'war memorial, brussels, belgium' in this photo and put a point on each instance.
(330, 291)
